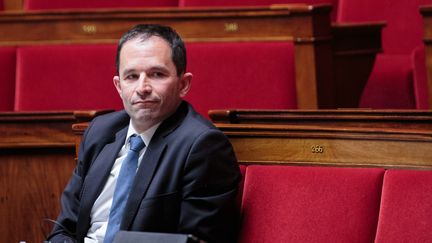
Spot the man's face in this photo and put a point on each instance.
(148, 82)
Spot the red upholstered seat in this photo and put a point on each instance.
(242, 75)
(406, 207)
(403, 32)
(7, 78)
(420, 78)
(230, 3)
(83, 4)
(310, 204)
(66, 77)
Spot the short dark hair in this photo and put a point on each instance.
(145, 31)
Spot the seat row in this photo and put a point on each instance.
(394, 74)
(79, 77)
(330, 204)
(226, 75)
(332, 175)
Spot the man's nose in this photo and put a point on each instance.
(144, 85)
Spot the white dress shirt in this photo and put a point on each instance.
(101, 208)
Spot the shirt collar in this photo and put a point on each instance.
(146, 136)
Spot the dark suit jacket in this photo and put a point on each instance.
(186, 183)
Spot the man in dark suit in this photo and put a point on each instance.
(187, 176)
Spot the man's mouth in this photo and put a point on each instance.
(145, 102)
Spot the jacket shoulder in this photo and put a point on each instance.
(108, 124)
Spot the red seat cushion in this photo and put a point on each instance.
(251, 75)
(7, 78)
(66, 77)
(84, 4)
(310, 204)
(406, 207)
(390, 85)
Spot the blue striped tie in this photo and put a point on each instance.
(123, 186)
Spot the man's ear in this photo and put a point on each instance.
(116, 81)
(185, 84)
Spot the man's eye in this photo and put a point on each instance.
(131, 77)
(157, 75)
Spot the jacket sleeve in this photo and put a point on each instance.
(210, 185)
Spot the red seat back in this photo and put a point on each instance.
(70, 77)
(242, 75)
(85, 4)
(404, 30)
(7, 78)
(310, 204)
(406, 214)
(229, 3)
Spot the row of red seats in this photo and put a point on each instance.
(394, 82)
(327, 204)
(226, 75)
(76, 77)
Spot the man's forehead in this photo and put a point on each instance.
(156, 55)
(152, 44)
(143, 39)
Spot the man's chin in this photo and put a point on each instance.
(144, 112)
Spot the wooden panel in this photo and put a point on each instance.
(12, 5)
(364, 138)
(426, 11)
(384, 138)
(297, 21)
(32, 182)
(320, 145)
(37, 156)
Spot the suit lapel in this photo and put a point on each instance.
(98, 174)
(143, 178)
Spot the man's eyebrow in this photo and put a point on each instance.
(159, 68)
(129, 70)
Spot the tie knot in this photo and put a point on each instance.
(136, 143)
